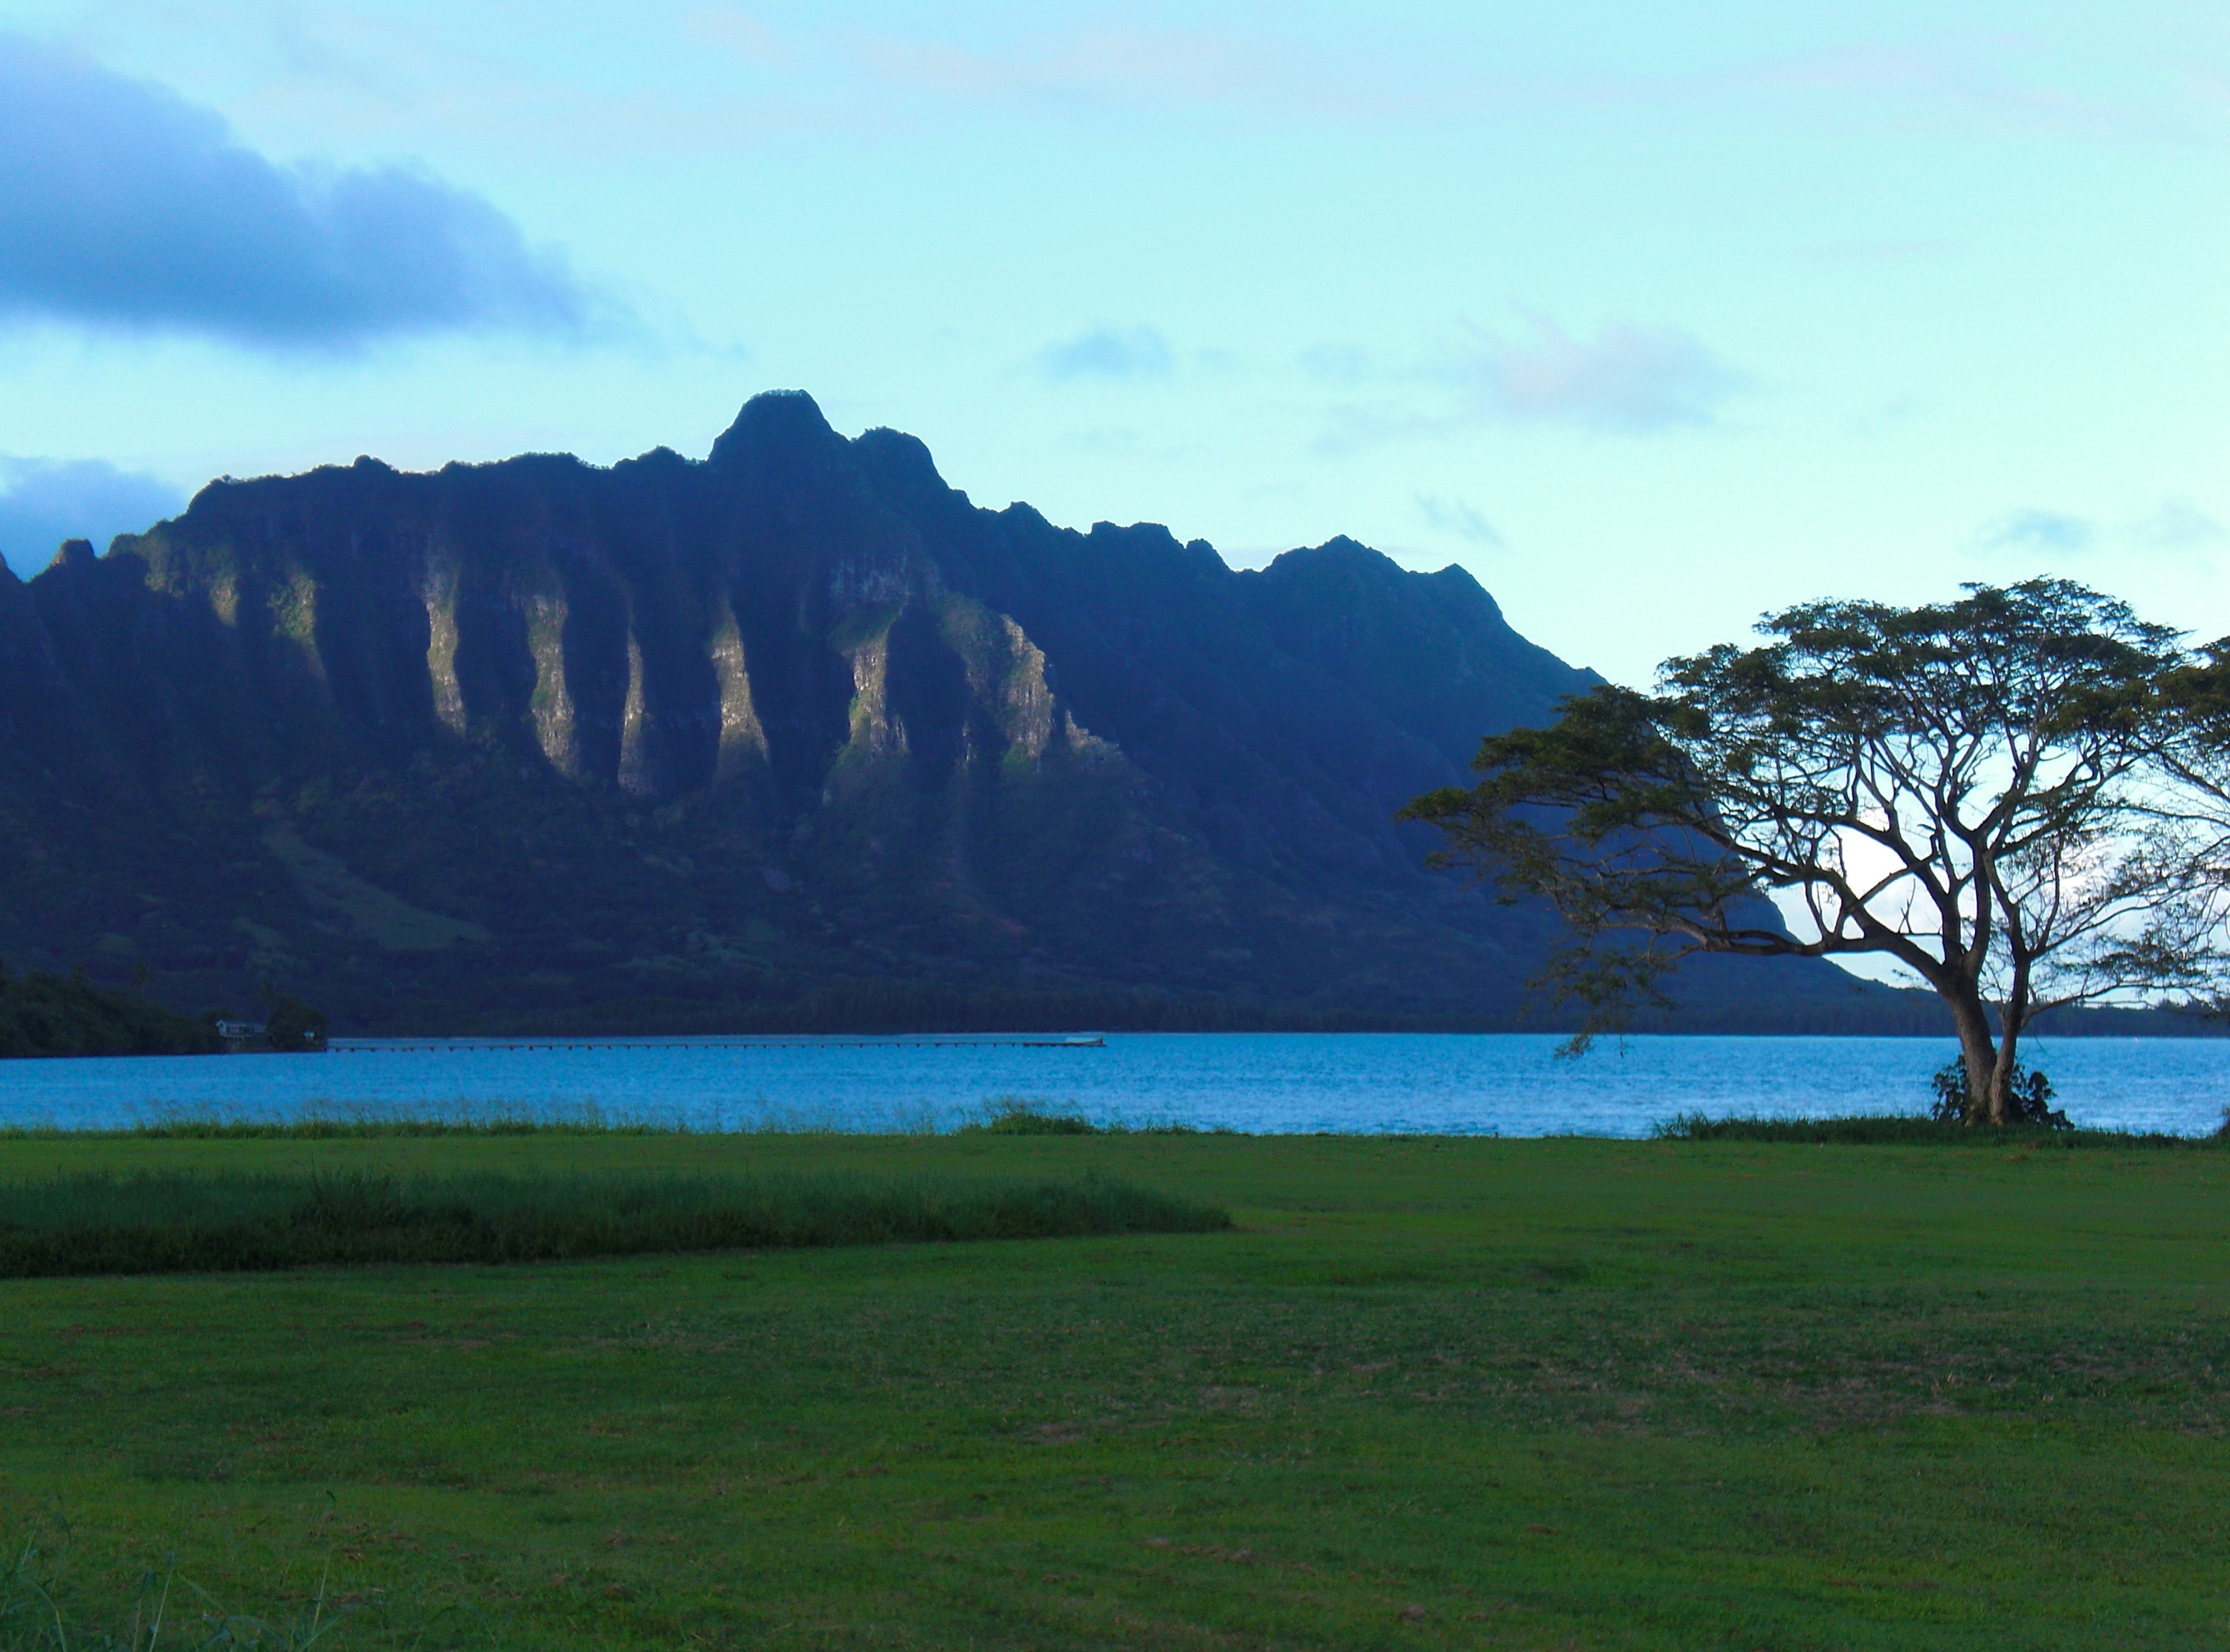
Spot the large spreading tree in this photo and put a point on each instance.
(1973, 789)
(2195, 753)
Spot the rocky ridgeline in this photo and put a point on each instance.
(793, 734)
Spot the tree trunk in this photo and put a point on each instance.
(1978, 1052)
(2002, 1082)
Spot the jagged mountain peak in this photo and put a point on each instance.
(517, 740)
(904, 472)
(775, 426)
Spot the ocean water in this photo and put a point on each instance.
(1507, 1085)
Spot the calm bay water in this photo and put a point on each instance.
(1510, 1084)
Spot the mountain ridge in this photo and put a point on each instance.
(734, 742)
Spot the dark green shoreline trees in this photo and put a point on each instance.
(1975, 789)
(47, 1014)
(62, 1015)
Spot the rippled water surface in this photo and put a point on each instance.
(1513, 1084)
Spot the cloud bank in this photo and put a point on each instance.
(123, 205)
(45, 501)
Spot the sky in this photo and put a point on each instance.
(1654, 318)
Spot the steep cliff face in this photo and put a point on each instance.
(791, 730)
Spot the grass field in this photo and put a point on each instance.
(1429, 1393)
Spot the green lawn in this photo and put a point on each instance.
(1429, 1394)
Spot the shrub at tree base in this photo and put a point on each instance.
(188, 1224)
(2028, 1097)
(1911, 1130)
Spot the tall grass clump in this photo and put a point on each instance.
(187, 1223)
(1014, 1115)
(1018, 1116)
(367, 1129)
(41, 1612)
(1905, 1130)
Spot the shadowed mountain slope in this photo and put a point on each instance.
(795, 735)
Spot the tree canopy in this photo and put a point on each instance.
(1971, 788)
(58, 1015)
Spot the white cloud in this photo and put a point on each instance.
(2048, 531)
(1886, 250)
(1338, 364)
(738, 34)
(1107, 352)
(2178, 524)
(1979, 79)
(1629, 378)
(1113, 67)
(1463, 520)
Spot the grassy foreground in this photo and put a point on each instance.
(1534, 1394)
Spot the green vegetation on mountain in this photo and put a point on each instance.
(795, 735)
(57, 1015)
(1426, 1394)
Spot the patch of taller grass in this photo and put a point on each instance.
(1014, 1115)
(1001, 1116)
(331, 1121)
(41, 1612)
(340, 1129)
(217, 1222)
(1019, 1116)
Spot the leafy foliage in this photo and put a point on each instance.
(292, 1026)
(1970, 789)
(45, 1014)
(2028, 1093)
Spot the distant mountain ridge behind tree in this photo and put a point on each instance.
(795, 735)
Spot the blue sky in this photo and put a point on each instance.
(1653, 318)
